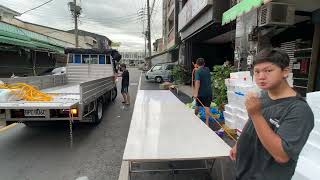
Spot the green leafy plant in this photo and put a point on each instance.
(220, 73)
(181, 74)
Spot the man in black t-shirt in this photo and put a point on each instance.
(125, 84)
(279, 124)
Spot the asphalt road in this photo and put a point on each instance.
(44, 153)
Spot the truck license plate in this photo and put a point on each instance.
(34, 112)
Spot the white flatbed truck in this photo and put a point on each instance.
(79, 95)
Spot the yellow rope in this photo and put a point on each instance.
(27, 92)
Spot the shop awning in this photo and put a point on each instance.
(16, 42)
(13, 35)
(241, 8)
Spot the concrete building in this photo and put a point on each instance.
(291, 25)
(99, 41)
(202, 34)
(158, 46)
(132, 58)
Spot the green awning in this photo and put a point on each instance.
(239, 9)
(16, 42)
(13, 35)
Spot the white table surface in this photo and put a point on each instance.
(163, 128)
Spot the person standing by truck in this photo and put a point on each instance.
(125, 84)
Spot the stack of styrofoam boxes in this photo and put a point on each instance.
(290, 79)
(308, 167)
(235, 112)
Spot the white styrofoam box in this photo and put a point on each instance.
(231, 97)
(228, 115)
(316, 111)
(313, 97)
(241, 75)
(229, 108)
(306, 170)
(311, 151)
(230, 123)
(241, 122)
(240, 101)
(314, 137)
(229, 120)
(241, 112)
(316, 127)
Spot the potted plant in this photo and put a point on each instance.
(219, 74)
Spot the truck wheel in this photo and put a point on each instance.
(113, 94)
(98, 113)
(158, 79)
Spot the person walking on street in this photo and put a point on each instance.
(202, 88)
(125, 84)
(279, 124)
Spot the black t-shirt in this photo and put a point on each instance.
(292, 119)
(125, 78)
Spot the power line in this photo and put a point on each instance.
(37, 7)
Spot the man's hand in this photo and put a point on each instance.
(253, 104)
(233, 153)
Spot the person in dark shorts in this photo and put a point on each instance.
(202, 88)
(125, 84)
(279, 124)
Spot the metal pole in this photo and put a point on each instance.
(149, 29)
(76, 22)
(145, 41)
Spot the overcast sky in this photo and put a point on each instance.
(116, 19)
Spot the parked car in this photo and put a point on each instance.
(160, 72)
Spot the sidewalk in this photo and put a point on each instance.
(186, 89)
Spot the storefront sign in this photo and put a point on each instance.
(241, 8)
(191, 9)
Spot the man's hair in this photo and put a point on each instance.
(123, 65)
(200, 62)
(273, 55)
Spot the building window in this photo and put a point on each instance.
(77, 58)
(102, 59)
(70, 58)
(94, 59)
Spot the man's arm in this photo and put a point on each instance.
(269, 139)
(196, 83)
(196, 88)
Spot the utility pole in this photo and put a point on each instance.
(76, 23)
(149, 28)
(141, 14)
(75, 11)
(145, 40)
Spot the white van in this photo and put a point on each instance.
(160, 72)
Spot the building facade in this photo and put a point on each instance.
(132, 58)
(202, 34)
(291, 25)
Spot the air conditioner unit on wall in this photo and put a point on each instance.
(280, 14)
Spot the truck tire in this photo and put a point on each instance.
(98, 113)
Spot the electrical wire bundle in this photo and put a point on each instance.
(27, 92)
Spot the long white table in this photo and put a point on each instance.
(164, 129)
